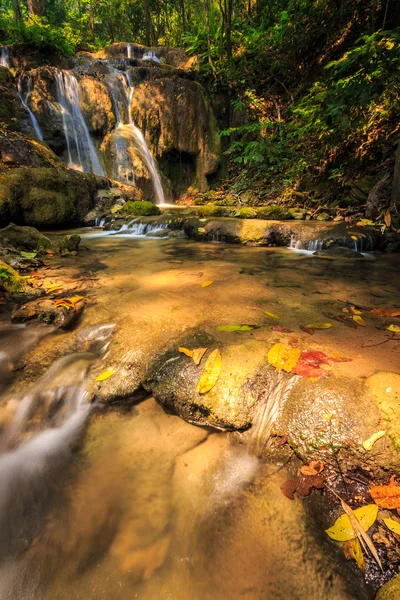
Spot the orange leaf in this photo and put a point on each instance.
(314, 468)
(387, 496)
(385, 312)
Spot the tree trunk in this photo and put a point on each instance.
(229, 12)
(183, 14)
(91, 20)
(17, 11)
(37, 7)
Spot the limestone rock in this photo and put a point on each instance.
(23, 238)
(96, 105)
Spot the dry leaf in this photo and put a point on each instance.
(53, 288)
(392, 525)
(319, 326)
(388, 218)
(211, 372)
(206, 283)
(283, 358)
(198, 354)
(359, 320)
(394, 328)
(352, 549)
(385, 312)
(354, 237)
(361, 532)
(314, 468)
(306, 330)
(302, 486)
(343, 529)
(272, 315)
(387, 496)
(367, 445)
(186, 351)
(309, 364)
(234, 328)
(105, 375)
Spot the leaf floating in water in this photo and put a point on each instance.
(235, 328)
(302, 486)
(283, 358)
(352, 549)
(206, 283)
(394, 328)
(211, 372)
(343, 529)
(105, 375)
(385, 312)
(367, 445)
(28, 254)
(314, 468)
(387, 496)
(319, 326)
(392, 525)
(272, 315)
(306, 330)
(359, 320)
(186, 351)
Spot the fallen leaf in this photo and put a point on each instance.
(367, 445)
(343, 529)
(359, 320)
(270, 314)
(394, 328)
(392, 525)
(365, 222)
(387, 496)
(306, 330)
(348, 321)
(281, 329)
(385, 312)
(201, 230)
(319, 326)
(361, 532)
(198, 354)
(283, 358)
(28, 254)
(206, 283)
(53, 288)
(186, 351)
(234, 328)
(355, 310)
(302, 486)
(105, 375)
(314, 468)
(328, 416)
(352, 549)
(388, 218)
(309, 364)
(212, 369)
(354, 237)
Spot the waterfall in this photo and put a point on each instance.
(150, 55)
(24, 101)
(5, 58)
(81, 151)
(129, 50)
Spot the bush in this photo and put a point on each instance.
(211, 210)
(273, 212)
(140, 208)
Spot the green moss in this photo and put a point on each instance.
(247, 213)
(211, 210)
(140, 208)
(273, 212)
(10, 280)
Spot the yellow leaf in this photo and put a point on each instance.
(198, 354)
(206, 283)
(211, 372)
(394, 328)
(105, 375)
(365, 222)
(354, 237)
(283, 358)
(201, 230)
(186, 351)
(359, 320)
(355, 310)
(388, 218)
(53, 288)
(319, 326)
(392, 525)
(328, 416)
(75, 299)
(272, 315)
(367, 445)
(343, 530)
(352, 549)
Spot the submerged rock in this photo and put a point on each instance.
(70, 243)
(338, 253)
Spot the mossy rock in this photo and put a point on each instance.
(141, 208)
(385, 387)
(11, 281)
(211, 210)
(391, 590)
(247, 213)
(23, 238)
(273, 213)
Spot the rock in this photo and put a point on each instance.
(273, 213)
(339, 253)
(45, 311)
(247, 213)
(25, 238)
(212, 210)
(390, 590)
(323, 217)
(12, 282)
(142, 208)
(298, 213)
(97, 106)
(89, 220)
(385, 388)
(70, 243)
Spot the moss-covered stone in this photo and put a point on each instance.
(23, 238)
(140, 208)
(273, 212)
(211, 210)
(247, 213)
(11, 281)
(390, 590)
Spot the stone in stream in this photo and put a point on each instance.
(337, 253)
(69, 244)
(24, 238)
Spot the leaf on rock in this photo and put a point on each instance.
(28, 254)
(352, 549)
(367, 445)
(283, 358)
(387, 496)
(319, 326)
(272, 315)
(211, 372)
(392, 525)
(234, 328)
(348, 321)
(206, 283)
(306, 330)
(364, 222)
(385, 312)
(394, 328)
(343, 530)
(188, 353)
(314, 468)
(388, 218)
(302, 486)
(359, 320)
(354, 237)
(105, 375)
(198, 354)
(201, 230)
(309, 364)
(53, 288)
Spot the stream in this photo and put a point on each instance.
(131, 502)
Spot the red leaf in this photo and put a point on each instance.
(309, 364)
(307, 330)
(302, 486)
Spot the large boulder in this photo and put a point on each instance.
(18, 149)
(96, 105)
(47, 197)
(43, 101)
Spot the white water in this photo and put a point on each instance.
(5, 58)
(82, 155)
(150, 55)
(24, 101)
(129, 50)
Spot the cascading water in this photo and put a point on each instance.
(81, 151)
(24, 97)
(5, 58)
(150, 55)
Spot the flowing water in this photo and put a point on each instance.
(99, 504)
(25, 81)
(4, 58)
(82, 154)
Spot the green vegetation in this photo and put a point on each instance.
(140, 208)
